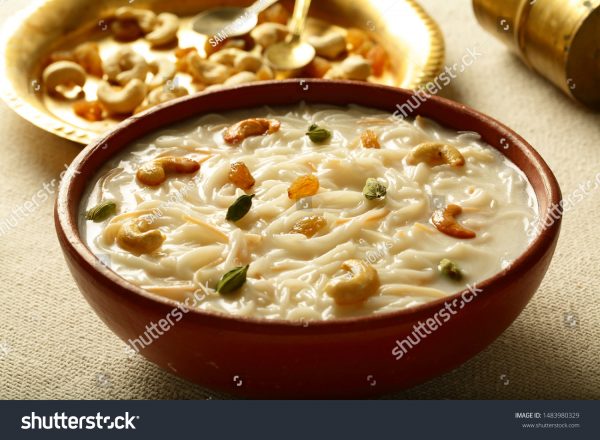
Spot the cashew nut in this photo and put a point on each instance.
(122, 100)
(146, 19)
(87, 55)
(63, 73)
(435, 153)
(206, 72)
(165, 29)
(241, 78)
(155, 172)
(354, 67)
(235, 80)
(330, 45)
(363, 283)
(265, 73)
(267, 34)
(138, 237)
(160, 95)
(126, 30)
(125, 65)
(163, 70)
(239, 59)
(248, 62)
(445, 222)
(59, 55)
(250, 127)
(234, 43)
(226, 56)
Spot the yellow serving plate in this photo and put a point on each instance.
(412, 39)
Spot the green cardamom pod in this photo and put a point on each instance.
(450, 269)
(317, 134)
(374, 189)
(232, 280)
(102, 211)
(239, 208)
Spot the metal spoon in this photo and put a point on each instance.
(230, 21)
(293, 54)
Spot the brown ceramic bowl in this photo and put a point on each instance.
(340, 358)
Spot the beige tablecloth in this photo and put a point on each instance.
(53, 346)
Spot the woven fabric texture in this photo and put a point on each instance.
(53, 346)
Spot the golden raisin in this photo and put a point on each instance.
(378, 58)
(303, 186)
(369, 139)
(89, 110)
(309, 225)
(274, 14)
(356, 38)
(317, 68)
(215, 46)
(181, 52)
(240, 176)
(364, 49)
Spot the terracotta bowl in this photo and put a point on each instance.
(340, 358)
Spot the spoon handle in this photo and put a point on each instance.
(260, 5)
(299, 17)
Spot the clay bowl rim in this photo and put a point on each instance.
(68, 231)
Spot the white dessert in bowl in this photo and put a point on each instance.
(394, 213)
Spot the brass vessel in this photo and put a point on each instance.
(560, 39)
(413, 40)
